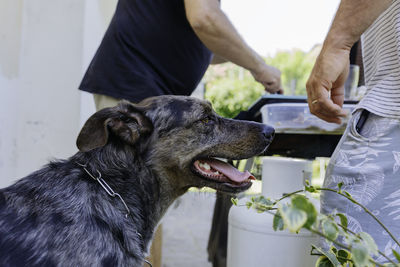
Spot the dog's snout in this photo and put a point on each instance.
(268, 132)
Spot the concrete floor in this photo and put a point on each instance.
(186, 227)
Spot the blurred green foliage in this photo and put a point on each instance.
(295, 67)
(230, 96)
(232, 89)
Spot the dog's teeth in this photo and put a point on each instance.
(205, 166)
(217, 173)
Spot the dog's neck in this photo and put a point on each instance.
(145, 195)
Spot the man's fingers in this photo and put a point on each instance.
(272, 87)
(337, 96)
(325, 109)
(330, 119)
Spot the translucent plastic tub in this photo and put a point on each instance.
(296, 118)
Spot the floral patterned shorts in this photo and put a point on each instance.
(367, 162)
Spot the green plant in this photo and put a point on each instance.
(232, 89)
(295, 211)
(295, 66)
(230, 96)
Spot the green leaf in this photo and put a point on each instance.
(265, 201)
(262, 204)
(396, 254)
(234, 201)
(328, 254)
(360, 254)
(343, 255)
(249, 204)
(369, 242)
(340, 185)
(343, 220)
(261, 207)
(330, 229)
(302, 203)
(323, 261)
(278, 222)
(310, 189)
(293, 218)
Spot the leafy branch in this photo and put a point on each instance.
(349, 197)
(347, 248)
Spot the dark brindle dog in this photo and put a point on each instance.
(100, 207)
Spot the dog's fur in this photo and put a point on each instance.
(59, 216)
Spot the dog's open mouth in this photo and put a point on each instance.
(224, 173)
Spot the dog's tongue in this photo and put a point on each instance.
(229, 171)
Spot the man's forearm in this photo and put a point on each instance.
(352, 19)
(217, 33)
(218, 60)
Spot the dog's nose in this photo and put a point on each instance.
(268, 132)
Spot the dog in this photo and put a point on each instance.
(101, 206)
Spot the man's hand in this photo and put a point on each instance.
(270, 78)
(217, 33)
(325, 87)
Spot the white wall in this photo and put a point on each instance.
(10, 40)
(45, 47)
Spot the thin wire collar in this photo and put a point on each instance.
(111, 193)
(106, 187)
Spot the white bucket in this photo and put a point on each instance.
(284, 175)
(252, 242)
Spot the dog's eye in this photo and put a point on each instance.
(206, 120)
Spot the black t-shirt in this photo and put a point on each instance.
(149, 49)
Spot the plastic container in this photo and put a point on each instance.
(282, 175)
(252, 242)
(296, 118)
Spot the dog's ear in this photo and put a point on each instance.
(125, 121)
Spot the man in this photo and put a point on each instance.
(367, 159)
(157, 47)
(164, 47)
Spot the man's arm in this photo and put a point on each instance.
(217, 33)
(218, 60)
(325, 87)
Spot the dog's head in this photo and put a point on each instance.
(181, 139)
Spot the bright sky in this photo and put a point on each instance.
(272, 25)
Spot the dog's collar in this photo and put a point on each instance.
(106, 187)
(111, 193)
